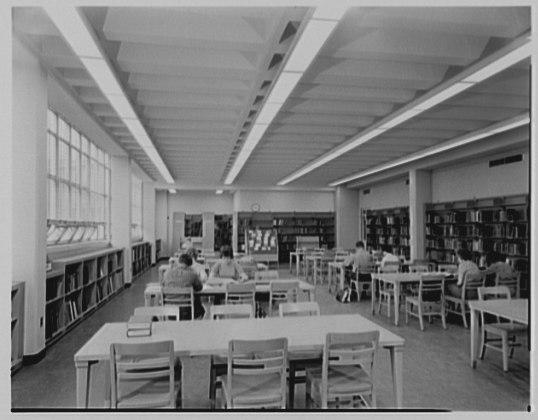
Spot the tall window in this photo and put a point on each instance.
(78, 185)
(136, 208)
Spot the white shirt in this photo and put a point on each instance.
(388, 257)
(200, 270)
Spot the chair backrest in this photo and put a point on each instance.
(367, 269)
(340, 256)
(141, 362)
(348, 349)
(495, 292)
(449, 268)
(260, 361)
(239, 293)
(299, 308)
(158, 313)
(419, 268)
(472, 281)
(231, 311)
(390, 267)
(284, 290)
(265, 276)
(510, 280)
(181, 297)
(431, 287)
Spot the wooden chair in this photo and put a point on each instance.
(362, 281)
(219, 363)
(158, 313)
(386, 290)
(448, 268)
(504, 332)
(322, 268)
(299, 361)
(181, 297)
(265, 277)
(429, 301)
(241, 293)
(256, 374)
(510, 280)
(142, 375)
(282, 292)
(346, 377)
(471, 283)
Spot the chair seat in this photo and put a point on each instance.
(345, 380)
(306, 356)
(505, 328)
(249, 389)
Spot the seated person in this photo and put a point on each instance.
(196, 266)
(465, 265)
(183, 275)
(226, 267)
(496, 264)
(388, 256)
(360, 259)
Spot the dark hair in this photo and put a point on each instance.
(493, 257)
(465, 254)
(226, 251)
(185, 259)
(359, 244)
(192, 252)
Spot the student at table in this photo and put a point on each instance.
(388, 256)
(465, 265)
(183, 275)
(226, 267)
(196, 266)
(361, 258)
(496, 264)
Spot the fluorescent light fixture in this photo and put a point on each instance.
(69, 22)
(122, 106)
(172, 191)
(500, 64)
(255, 135)
(451, 144)
(283, 87)
(103, 76)
(443, 96)
(329, 12)
(308, 46)
(268, 113)
(219, 192)
(404, 116)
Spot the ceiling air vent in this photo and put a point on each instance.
(366, 192)
(506, 160)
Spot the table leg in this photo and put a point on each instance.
(83, 371)
(396, 302)
(396, 360)
(373, 285)
(107, 385)
(474, 337)
(311, 296)
(330, 276)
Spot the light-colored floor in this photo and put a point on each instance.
(437, 373)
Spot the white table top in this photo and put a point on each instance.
(204, 337)
(405, 277)
(513, 309)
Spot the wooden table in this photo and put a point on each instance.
(206, 337)
(297, 255)
(154, 290)
(335, 268)
(516, 310)
(396, 279)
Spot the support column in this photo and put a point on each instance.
(348, 219)
(121, 210)
(208, 230)
(420, 193)
(148, 216)
(28, 224)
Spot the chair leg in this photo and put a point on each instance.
(291, 385)
(505, 352)
(421, 321)
(212, 387)
(462, 306)
(407, 305)
(483, 347)
(443, 315)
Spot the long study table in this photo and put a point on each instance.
(206, 337)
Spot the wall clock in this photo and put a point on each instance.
(255, 207)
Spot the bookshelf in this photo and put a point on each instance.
(223, 230)
(193, 226)
(389, 227)
(78, 285)
(140, 258)
(158, 249)
(289, 227)
(17, 325)
(497, 224)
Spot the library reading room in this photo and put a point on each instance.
(282, 206)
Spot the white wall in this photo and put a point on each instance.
(197, 202)
(284, 201)
(29, 183)
(391, 194)
(347, 217)
(161, 220)
(477, 180)
(148, 216)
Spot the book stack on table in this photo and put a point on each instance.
(139, 327)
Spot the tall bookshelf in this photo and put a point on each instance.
(193, 226)
(389, 227)
(140, 258)
(223, 230)
(289, 226)
(497, 224)
(78, 285)
(17, 324)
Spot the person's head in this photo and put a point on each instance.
(226, 252)
(464, 254)
(493, 257)
(193, 253)
(185, 260)
(359, 245)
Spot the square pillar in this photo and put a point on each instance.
(420, 193)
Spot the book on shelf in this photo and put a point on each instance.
(138, 327)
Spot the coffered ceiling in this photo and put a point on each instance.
(198, 77)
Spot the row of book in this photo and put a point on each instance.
(72, 281)
(54, 288)
(477, 216)
(71, 310)
(510, 248)
(395, 231)
(52, 320)
(387, 220)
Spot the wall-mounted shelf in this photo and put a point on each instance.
(140, 258)
(389, 227)
(17, 325)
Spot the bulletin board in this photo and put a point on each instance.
(262, 244)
